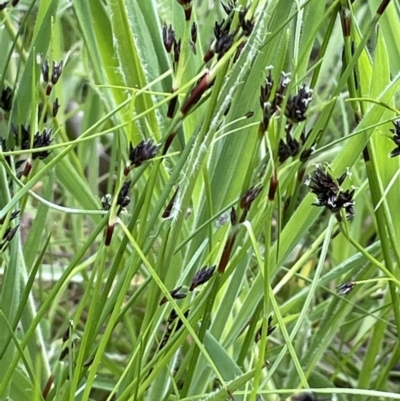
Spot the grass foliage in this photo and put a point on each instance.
(161, 237)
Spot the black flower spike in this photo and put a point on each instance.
(55, 74)
(22, 136)
(14, 214)
(289, 149)
(247, 25)
(144, 151)
(45, 70)
(177, 50)
(174, 294)
(8, 236)
(297, 105)
(193, 32)
(265, 91)
(324, 186)
(123, 196)
(57, 70)
(229, 6)
(281, 90)
(6, 99)
(249, 197)
(202, 276)
(329, 194)
(223, 45)
(168, 37)
(396, 138)
(346, 202)
(224, 40)
(56, 107)
(305, 155)
(345, 288)
(171, 325)
(3, 5)
(173, 316)
(40, 141)
(221, 29)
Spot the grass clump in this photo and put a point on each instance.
(199, 200)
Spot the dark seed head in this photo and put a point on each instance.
(305, 155)
(229, 6)
(193, 32)
(175, 294)
(223, 45)
(8, 236)
(13, 215)
(42, 140)
(57, 70)
(168, 37)
(329, 194)
(345, 288)
(56, 107)
(123, 196)
(177, 50)
(45, 70)
(297, 105)
(22, 136)
(265, 91)
(202, 276)
(289, 149)
(6, 98)
(3, 5)
(144, 151)
(249, 197)
(281, 90)
(247, 25)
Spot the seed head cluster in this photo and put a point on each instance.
(202, 276)
(329, 193)
(291, 147)
(296, 106)
(51, 77)
(144, 151)
(22, 136)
